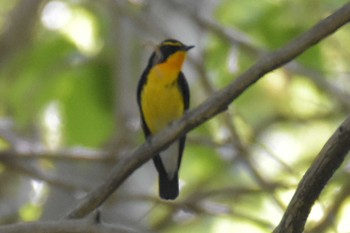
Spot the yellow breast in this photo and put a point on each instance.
(162, 101)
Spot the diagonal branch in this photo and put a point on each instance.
(217, 103)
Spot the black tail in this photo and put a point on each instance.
(168, 188)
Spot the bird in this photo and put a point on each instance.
(163, 96)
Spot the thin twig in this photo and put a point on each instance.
(39, 174)
(69, 226)
(73, 154)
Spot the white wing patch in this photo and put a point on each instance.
(170, 158)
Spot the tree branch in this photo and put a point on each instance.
(37, 173)
(68, 226)
(314, 180)
(213, 106)
(71, 154)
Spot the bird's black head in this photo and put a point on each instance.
(165, 49)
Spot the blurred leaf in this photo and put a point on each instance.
(200, 164)
(88, 106)
(33, 76)
(53, 70)
(30, 212)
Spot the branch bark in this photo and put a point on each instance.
(217, 103)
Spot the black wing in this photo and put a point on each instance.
(183, 85)
(141, 84)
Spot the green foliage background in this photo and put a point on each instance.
(68, 111)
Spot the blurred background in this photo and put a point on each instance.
(68, 76)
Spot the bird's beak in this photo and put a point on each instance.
(186, 48)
